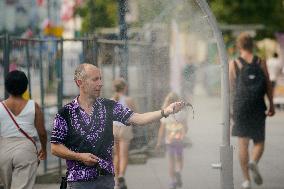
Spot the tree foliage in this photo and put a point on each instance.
(270, 13)
(149, 10)
(97, 14)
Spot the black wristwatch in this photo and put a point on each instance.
(163, 114)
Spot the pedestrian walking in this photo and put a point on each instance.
(20, 122)
(274, 69)
(122, 135)
(83, 131)
(249, 83)
(174, 133)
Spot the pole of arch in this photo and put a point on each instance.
(6, 58)
(226, 150)
(122, 5)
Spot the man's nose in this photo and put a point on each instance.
(100, 83)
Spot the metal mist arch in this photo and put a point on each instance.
(226, 150)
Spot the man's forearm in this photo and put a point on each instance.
(142, 119)
(63, 152)
(269, 93)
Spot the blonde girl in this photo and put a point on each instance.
(173, 131)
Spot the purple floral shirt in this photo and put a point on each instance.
(77, 171)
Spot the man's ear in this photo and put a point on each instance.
(78, 82)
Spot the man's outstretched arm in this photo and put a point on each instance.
(142, 119)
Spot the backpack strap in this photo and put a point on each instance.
(237, 69)
(256, 60)
(242, 61)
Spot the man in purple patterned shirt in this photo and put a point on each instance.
(82, 132)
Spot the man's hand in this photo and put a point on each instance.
(88, 159)
(271, 111)
(174, 108)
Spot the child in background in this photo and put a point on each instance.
(174, 132)
(122, 135)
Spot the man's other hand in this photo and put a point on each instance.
(88, 159)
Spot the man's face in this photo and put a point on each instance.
(92, 84)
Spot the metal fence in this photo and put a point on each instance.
(49, 64)
(2, 46)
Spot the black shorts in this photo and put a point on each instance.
(253, 129)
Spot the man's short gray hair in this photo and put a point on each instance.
(80, 72)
